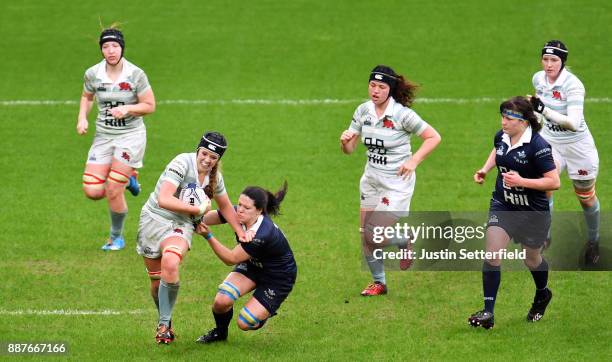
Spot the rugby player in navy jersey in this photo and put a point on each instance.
(265, 264)
(519, 208)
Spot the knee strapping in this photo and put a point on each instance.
(584, 189)
(154, 275)
(249, 319)
(118, 177)
(229, 289)
(586, 195)
(174, 250)
(93, 181)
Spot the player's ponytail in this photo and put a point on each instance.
(209, 189)
(266, 201)
(405, 91)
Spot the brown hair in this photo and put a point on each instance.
(404, 90)
(522, 105)
(264, 200)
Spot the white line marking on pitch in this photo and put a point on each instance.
(70, 312)
(291, 102)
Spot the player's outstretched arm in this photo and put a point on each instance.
(228, 256)
(229, 213)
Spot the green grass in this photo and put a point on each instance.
(278, 50)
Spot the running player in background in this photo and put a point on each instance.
(560, 99)
(124, 96)
(265, 265)
(167, 223)
(385, 124)
(519, 208)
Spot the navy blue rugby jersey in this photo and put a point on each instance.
(530, 157)
(269, 249)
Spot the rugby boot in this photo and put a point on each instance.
(482, 319)
(214, 335)
(133, 186)
(538, 307)
(376, 288)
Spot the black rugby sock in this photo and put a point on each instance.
(491, 278)
(540, 278)
(223, 320)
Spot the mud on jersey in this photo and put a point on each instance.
(131, 83)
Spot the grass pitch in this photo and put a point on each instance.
(277, 51)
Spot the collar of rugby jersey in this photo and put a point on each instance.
(525, 138)
(194, 161)
(127, 69)
(560, 79)
(388, 110)
(255, 226)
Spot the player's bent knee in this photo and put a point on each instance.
(154, 275)
(171, 258)
(229, 290)
(93, 185)
(222, 303)
(584, 189)
(247, 320)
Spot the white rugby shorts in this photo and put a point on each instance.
(128, 149)
(580, 159)
(153, 229)
(386, 192)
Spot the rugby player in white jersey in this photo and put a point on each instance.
(124, 96)
(385, 124)
(167, 223)
(560, 99)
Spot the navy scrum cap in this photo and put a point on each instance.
(112, 35)
(555, 47)
(214, 142)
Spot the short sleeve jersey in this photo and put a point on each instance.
(131, 83)
(567, 93)
(181, 171)
(387, 138)
(530, 157)
(269, 249)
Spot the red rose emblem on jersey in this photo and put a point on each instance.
(178, 231)
(124, 86)
(583, 172)
(385, 201)
(557, 95)
(387, 123)
(125, 156)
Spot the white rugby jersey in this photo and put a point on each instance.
(565, 96)
(387, 138)
(131, 82)
(181, 171)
